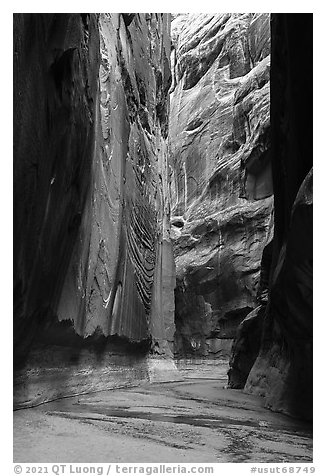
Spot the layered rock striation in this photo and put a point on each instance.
(93, 270)
(222, 205)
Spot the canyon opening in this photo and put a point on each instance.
(163, 237)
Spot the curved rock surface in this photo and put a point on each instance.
(283, 370)
(94, 268)
(220, 166)
(55, 103)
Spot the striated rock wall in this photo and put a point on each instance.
(220, 166)
(94, 270)
(123, 244)
(283, 372)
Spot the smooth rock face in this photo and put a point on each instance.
(246, 344)
(283, 369)
(56, 61)
(220, 166)
(245, 347)
(93, 256)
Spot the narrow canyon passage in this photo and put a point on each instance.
(163, 208)
(193, 420)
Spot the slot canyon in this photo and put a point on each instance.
(162, 237)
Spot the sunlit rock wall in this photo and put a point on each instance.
(94, 269)
(123, 244)
(222, 215)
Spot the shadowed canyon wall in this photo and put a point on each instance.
(237, 275)
(283, 371)
(93, 263)
(222, 205)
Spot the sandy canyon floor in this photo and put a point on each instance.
(193, 420)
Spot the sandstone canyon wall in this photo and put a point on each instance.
(283, 372)
(222, 204)
(93, 263)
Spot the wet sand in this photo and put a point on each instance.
(193, 420)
